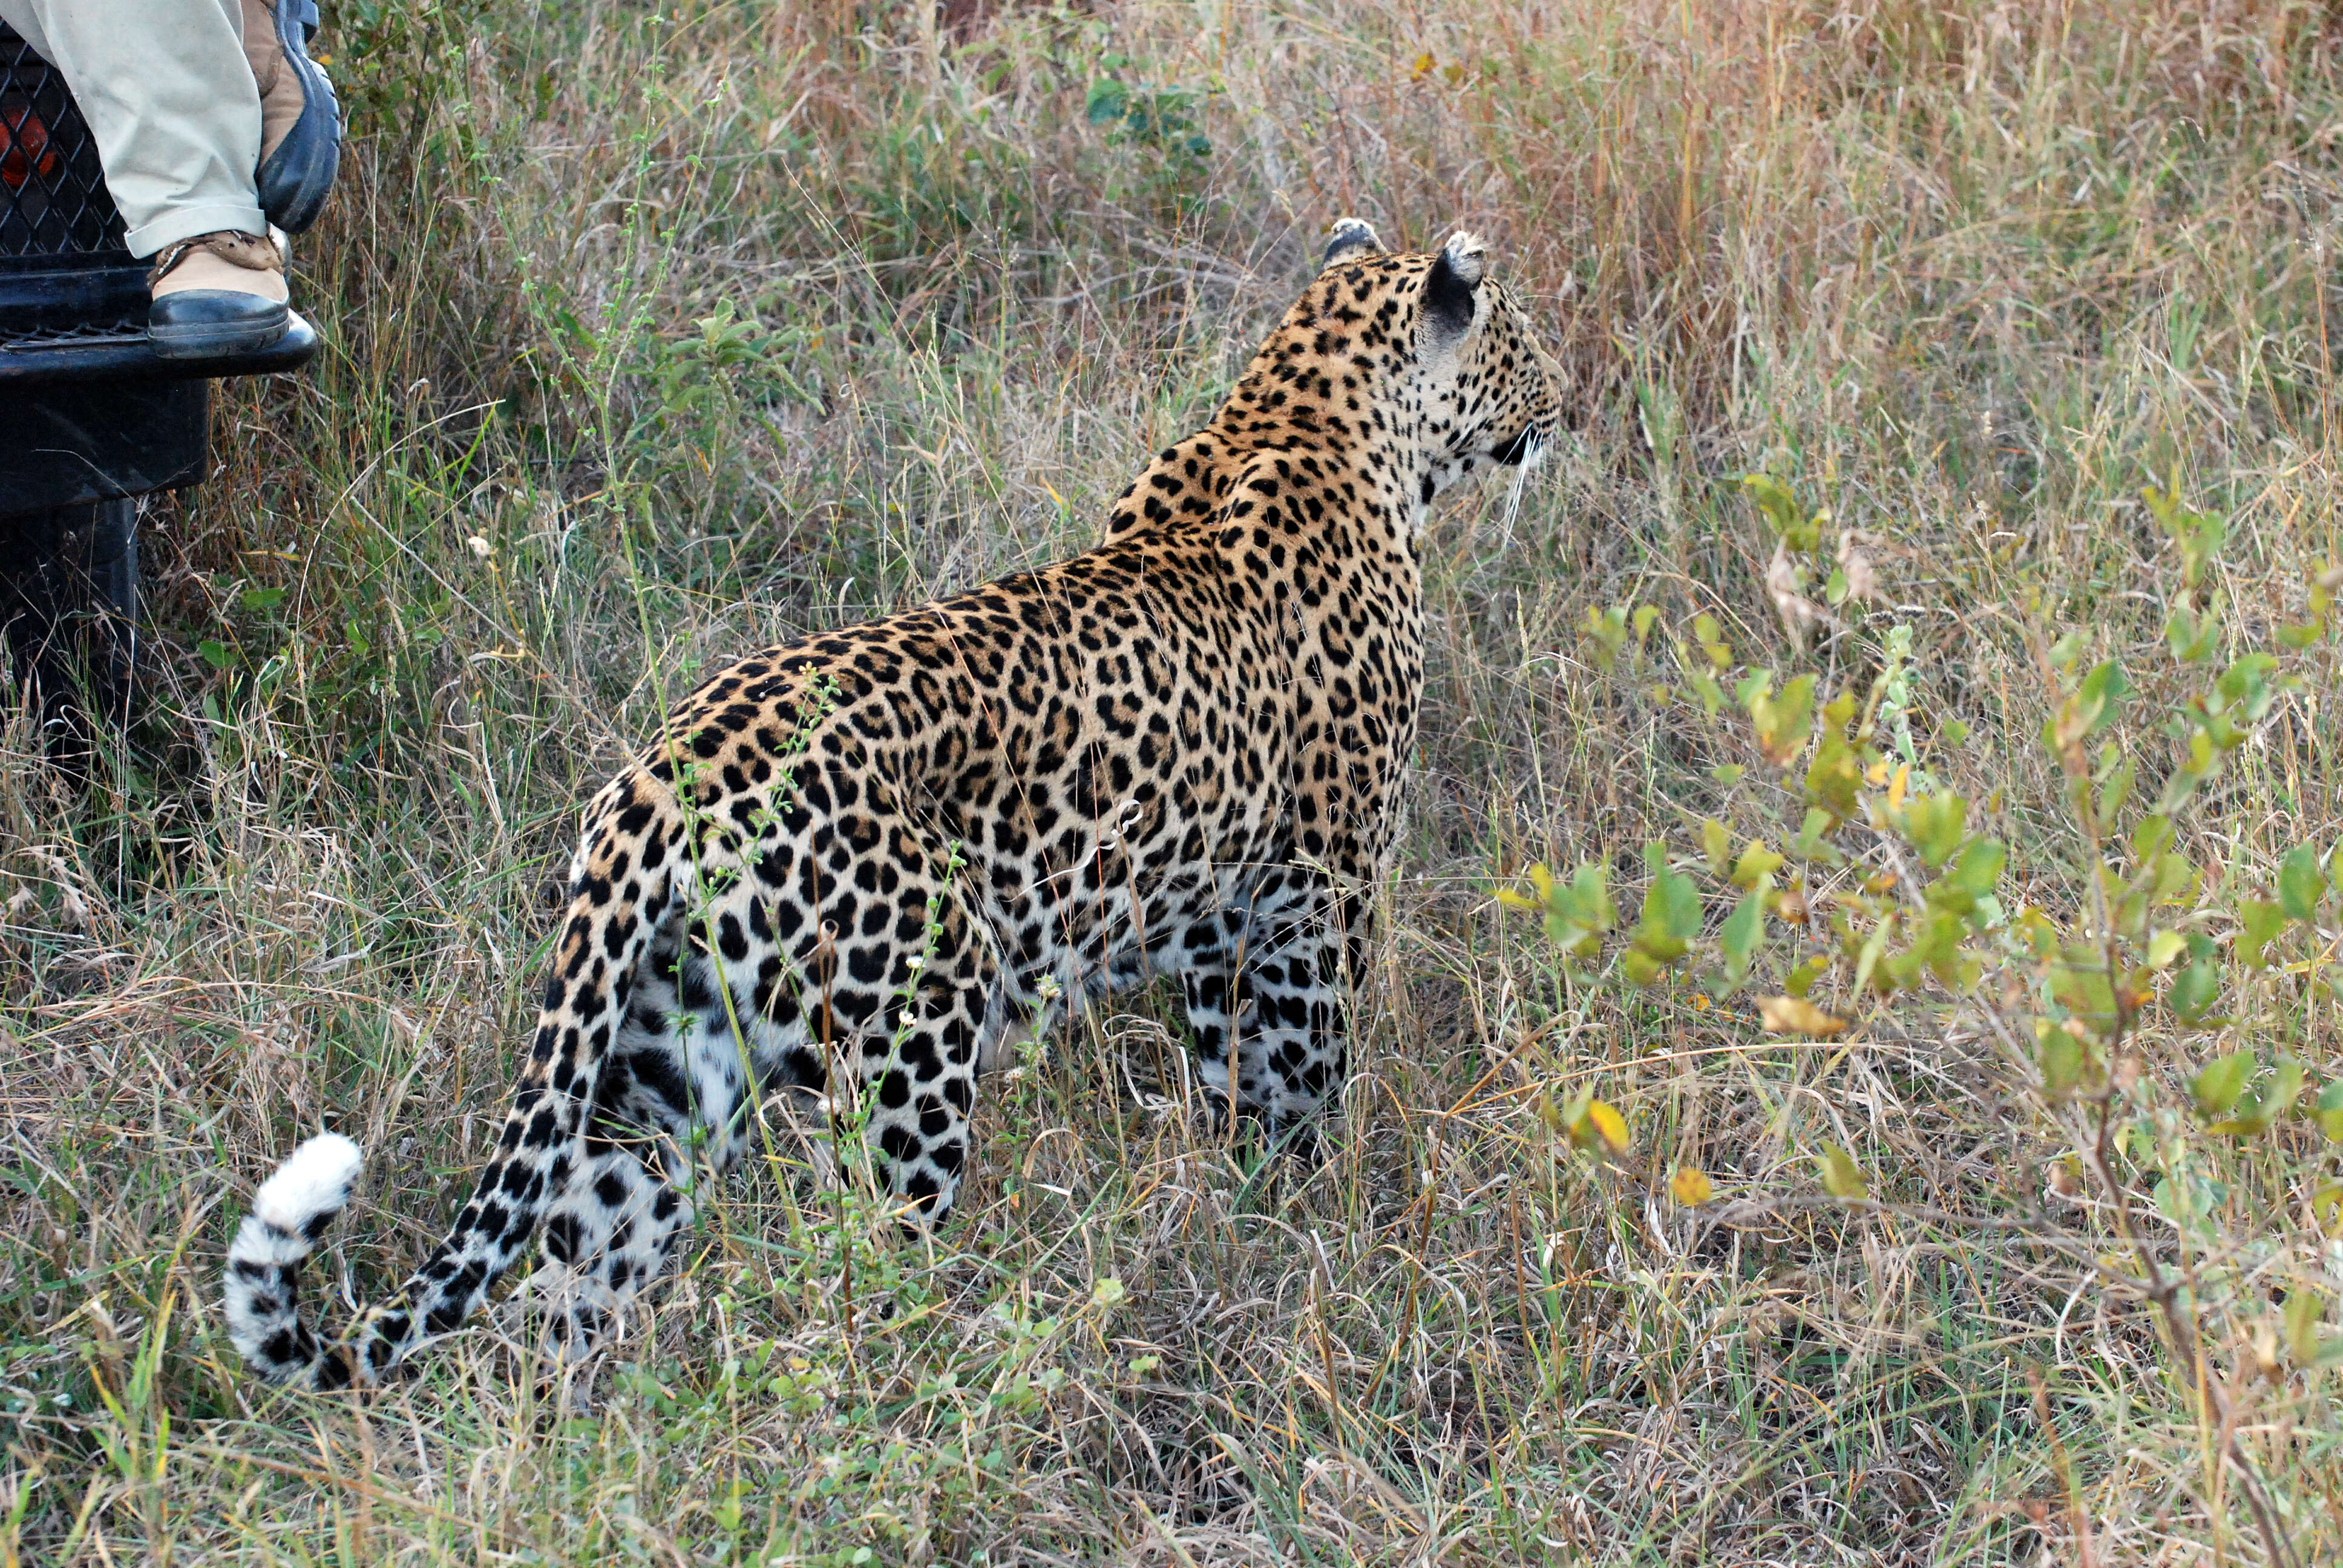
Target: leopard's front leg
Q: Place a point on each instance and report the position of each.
(1273, 998)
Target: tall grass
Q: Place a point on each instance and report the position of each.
(659, 332)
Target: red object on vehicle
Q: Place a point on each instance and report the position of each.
(25, 149)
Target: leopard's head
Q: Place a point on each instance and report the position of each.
(1439, 347)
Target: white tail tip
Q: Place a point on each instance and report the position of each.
(316, 1180)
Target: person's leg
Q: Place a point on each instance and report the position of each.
(170, 98)
(300, 123)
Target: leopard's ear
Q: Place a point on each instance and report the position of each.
(1449, 289)
(1352, 237)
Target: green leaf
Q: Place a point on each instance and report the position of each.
(1939, 947)
(2114, 790)
(2199, 537)
(1841, 1177)
(2192, 639)
(2262, 919)
(1744, 933)
(1717, 843)
(2246, 690)
(2327, 1112)
(1712, 647)
(1578, 913)
(2101, 691)
(2173, 877)
(2282, 1088)
(1107, 101)
(261, 599)
(2305, 1309)
(2041, 933)
(2171, 1199)
(1875, 947)
(2061, 1058)
(2079, 982)
(2299, 884)
(1979, 866)
(1798, 532)
(1756, 862)
(1835, 775)
(1810, 844)
(2269, 1102)
(2150, 836)
(1801, 979)
(1933, 824)
(2090, 708)
(1781, 721)
(2216, 1088)
(2193, 992)
(1606, 630)
(214, 653)
(1671, 916)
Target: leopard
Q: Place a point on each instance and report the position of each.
(857, 872)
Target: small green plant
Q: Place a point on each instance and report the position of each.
(1161, 124)
(2101, 1005)
(1163, 118)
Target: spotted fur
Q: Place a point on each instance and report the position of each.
(866, 860)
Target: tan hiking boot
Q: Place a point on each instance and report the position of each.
(280, 89)
(217, 294)
(300, 124)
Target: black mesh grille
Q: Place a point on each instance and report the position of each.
(53, 195)
(125, 330)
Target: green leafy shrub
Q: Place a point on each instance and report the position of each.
(2109, 1001)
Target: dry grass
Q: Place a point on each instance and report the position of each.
(1969, 272)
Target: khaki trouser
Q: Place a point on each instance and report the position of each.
(169, 96)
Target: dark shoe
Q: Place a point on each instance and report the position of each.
(211, 322)
(300, 124)
(218, 294)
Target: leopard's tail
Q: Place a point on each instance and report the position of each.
(290, 1211)
(623, 883)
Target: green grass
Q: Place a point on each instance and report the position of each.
(720, 323)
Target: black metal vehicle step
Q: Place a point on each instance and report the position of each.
(121, 351)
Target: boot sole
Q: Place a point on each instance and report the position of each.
(294, 179)
(218, 340)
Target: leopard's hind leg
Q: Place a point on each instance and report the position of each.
(891, 995)
(672, 1116)
(919, 1057)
